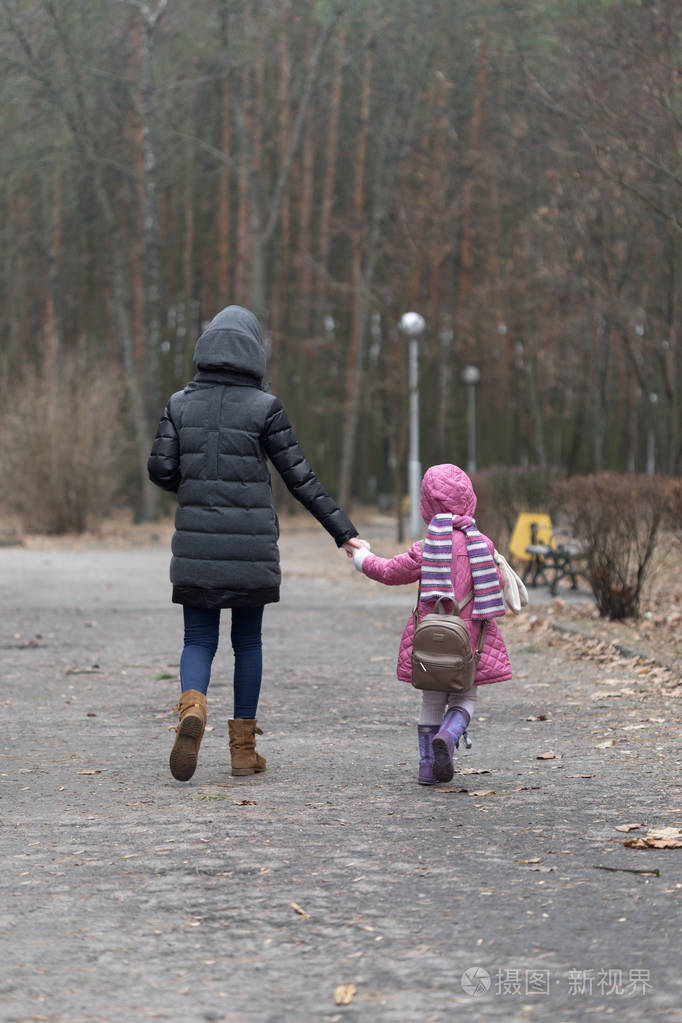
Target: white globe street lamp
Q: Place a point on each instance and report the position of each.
(471, 376)
(414, 325)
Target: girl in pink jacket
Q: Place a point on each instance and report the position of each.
(454, 559)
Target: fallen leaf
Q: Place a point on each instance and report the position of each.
(536, 717)
(535, 859)
(344, 994)
(475, 770)
(628, 827)
(451, 790)
(582, 776)
(246, 802)
(92, 770)
(549, 755)
(606, 745)
(657, 838)
(484, 792)
(299, 909)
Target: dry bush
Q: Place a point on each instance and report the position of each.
(617, 517)
(63, 447)
(673, 508)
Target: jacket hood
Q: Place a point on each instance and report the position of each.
(446, 488)
(232, 341)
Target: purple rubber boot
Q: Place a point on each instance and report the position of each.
(450, 732)
(426, 734)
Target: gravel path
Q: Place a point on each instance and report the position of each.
(129, 896)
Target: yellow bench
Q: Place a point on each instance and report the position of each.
(533, 543)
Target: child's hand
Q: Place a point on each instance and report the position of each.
(359, 555)
(355, 544)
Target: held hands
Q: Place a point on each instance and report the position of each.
(358, 550)
(515, 593)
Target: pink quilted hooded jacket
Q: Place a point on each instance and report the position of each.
(445, 488)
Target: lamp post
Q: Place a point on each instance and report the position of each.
(413, 325)
(651, 436)
(471, 376)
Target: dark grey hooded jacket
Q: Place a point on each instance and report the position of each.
(211, 447)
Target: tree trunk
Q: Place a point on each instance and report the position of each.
(53, 318)
(303, 305)
(280, 298)
(188, 276)
(468, 196)
(537, 419)
(674, 361)
(224, 195)
(331, 156)
(355, 343)
(245, 213)
(152, 268)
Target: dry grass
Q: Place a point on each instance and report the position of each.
(64, 451)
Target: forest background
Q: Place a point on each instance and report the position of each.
(510, 170)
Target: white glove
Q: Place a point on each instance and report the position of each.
(359, 555)
(515, 593)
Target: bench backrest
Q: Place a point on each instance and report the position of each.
(521, 534)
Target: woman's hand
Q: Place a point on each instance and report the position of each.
(354, 544)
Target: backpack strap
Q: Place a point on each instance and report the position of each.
(469, 596)
(458, 605)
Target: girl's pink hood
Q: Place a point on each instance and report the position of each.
(446, 488)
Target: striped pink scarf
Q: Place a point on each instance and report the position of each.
(436, 577)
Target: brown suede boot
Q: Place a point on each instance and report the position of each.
(188, 734)
(245, 760)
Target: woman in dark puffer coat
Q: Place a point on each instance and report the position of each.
(211, 448)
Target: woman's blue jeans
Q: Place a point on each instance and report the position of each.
(202, 628)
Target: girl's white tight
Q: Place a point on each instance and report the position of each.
(434, 705)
